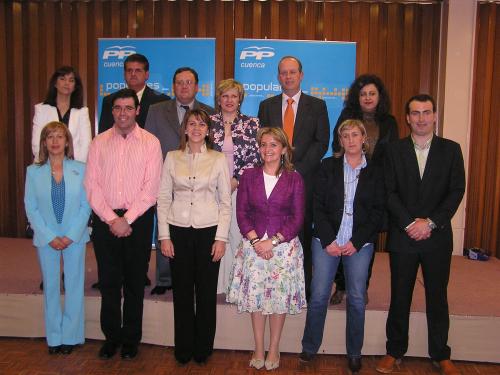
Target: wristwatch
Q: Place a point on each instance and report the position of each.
(431, 224)
(275, 240)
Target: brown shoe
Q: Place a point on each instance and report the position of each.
(448, 368)
(386, 364)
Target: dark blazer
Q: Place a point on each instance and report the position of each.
(436, 196)
(311, 131)
(163, 122)
(283, 212)
(149, 96)
(328, 203)
(388, 132)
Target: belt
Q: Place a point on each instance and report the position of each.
(120, 212)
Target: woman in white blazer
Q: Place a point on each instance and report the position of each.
(57, 208)
(64, 103)
(194, 213)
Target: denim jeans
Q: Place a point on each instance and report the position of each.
(324, 270)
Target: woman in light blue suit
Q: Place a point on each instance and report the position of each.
(57, 208)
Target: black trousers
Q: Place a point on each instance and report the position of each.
(122, 263)
(194, 282)
(436, 272)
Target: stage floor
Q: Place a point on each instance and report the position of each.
(474, 301)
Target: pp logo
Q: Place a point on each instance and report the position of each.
(118, 52)
(257, 52)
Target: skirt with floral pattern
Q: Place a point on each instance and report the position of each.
(273, 286)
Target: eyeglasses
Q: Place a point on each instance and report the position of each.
(127, 108)
(182, 83)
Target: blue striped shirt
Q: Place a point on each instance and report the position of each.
(351, 178)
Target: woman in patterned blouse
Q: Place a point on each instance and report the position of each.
(234, 134)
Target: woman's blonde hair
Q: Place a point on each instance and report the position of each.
(279, 135)
(48, 129)
(348, 125)
(228, 84)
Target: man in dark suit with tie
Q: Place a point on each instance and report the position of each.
(425, 182)
(164, 121)
(305, 120)
(136, 72)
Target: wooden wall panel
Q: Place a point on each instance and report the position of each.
(397, 40)
(482, 224)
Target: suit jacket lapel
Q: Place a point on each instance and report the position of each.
(430, 163)
(410, 160)
(259, 187)
(171, 115)
(276, 115)
(302, 110)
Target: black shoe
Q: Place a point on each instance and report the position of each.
(108, 350)
(160, 289)
(129, 351)
(148, 282)
(182, 360)
(54, 349)
(95, 285)
(354, 364)
(306, 357)
(200, 359)
(67, 349)
(41, 285)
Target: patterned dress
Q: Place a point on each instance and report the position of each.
(272, 286)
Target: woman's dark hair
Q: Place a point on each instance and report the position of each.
(76, 100)
(200, 115)
(351, 104)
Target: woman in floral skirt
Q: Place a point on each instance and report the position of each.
(268, 277)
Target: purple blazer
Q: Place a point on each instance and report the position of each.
(283, 212)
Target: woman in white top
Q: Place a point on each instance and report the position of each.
(194, 213)
(64, 103)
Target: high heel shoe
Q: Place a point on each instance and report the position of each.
(256, 363)
(272, 365)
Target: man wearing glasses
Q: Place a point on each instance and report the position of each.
(122, 182)
(164, 121)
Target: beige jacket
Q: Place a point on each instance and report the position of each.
(195, 192)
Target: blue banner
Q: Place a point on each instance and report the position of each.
(165, 56)
(329, 69)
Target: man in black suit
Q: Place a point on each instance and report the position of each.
(425, 181)
(164, 121)
(136, 73)
(310, 139)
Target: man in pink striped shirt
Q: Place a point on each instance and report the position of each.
(122, 181)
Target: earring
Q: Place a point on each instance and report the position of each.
(282, 159)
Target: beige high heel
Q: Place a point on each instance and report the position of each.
(270, 365)
(256, 363)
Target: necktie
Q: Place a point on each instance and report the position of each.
(186, 108)
(288, 120)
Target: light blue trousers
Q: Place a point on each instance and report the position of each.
(63, 325)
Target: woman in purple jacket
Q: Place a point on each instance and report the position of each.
(268, 276)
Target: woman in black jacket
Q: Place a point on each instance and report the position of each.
(369, 102)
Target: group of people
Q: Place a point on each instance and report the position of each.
(245, 206)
